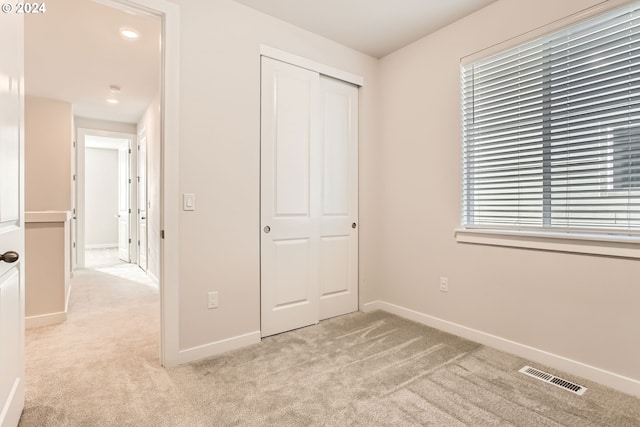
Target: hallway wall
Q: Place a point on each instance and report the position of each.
(101, 198)
(48, 151)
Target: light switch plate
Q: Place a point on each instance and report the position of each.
(189, 202)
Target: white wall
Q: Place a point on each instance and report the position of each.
(101, 198)
(219, 154)
(151, 123)
(581, 307)
(106, 125)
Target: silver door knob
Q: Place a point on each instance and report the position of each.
(267, 229)
(9, 257)
(354, 225)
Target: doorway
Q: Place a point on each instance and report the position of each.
(167, 15)
(105, 198)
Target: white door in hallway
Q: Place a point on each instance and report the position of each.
(142, 199)
(11, 220)
(308, 195)
(124, 213)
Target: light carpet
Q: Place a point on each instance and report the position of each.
(100, 368)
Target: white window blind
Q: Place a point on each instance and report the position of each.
(551, 131)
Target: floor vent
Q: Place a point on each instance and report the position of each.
(552, 379)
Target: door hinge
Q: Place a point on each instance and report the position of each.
(74, 245)
(74, 144)
(138, 210)
(129, 180)
(138, 242)
(74, 177)
(162, 234)
(138, 179)
(129, 241)
(129, 210)
(129, 150)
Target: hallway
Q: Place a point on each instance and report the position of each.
(103, 362)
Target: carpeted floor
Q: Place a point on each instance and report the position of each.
(104, 257)
(100, 368)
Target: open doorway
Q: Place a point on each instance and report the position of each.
(109, 99)
(57, 68)
(106, 198)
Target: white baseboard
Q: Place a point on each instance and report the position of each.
(153, 277)
(44, 320)
(609, 379)
(218, 347)
(66, 300)
(102, 246)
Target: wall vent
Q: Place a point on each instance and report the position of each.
(552, 379)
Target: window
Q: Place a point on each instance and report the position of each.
(551, 131)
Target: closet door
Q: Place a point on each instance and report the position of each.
(309, 197)
(338, 198)
(289, 208)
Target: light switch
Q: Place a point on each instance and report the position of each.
(189, 201)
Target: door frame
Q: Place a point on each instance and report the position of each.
(311, 65)
(169, 15)
(80, 221)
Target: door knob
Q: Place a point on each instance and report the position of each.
(144, 217)
(9, 257)
(354, 225)
(267, 229)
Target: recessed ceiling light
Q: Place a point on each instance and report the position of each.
(114, 89)
(112, 101)
(129, 33)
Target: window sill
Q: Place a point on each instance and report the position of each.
(614, 246)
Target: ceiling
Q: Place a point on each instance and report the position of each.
(375, 27)
(74, 52)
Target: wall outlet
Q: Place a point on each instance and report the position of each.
(444, 284)
(212, 300)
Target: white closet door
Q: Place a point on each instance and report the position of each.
(289, 208)
(338, 198)
(309, 197)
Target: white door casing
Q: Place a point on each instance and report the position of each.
(142, 199)
(74, 204)
(11, 219)
(309, 187)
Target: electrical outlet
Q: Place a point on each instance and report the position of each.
(212, 299)
(444, 284)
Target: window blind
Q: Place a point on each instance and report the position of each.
(551, 131)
